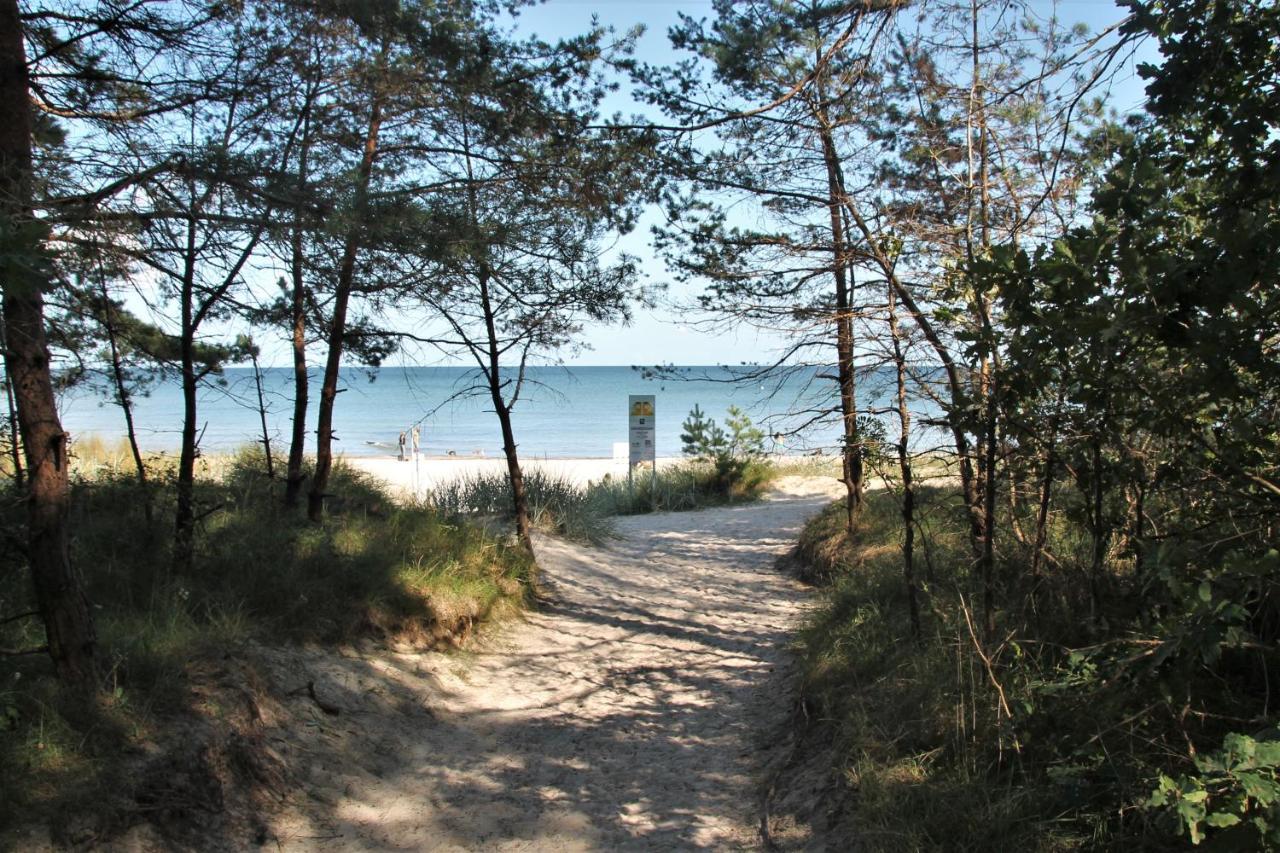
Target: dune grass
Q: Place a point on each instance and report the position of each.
(404, 574)
(688, 486)
(559, 506)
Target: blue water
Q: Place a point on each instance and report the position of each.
(565, 412)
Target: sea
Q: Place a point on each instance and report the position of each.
(563, 411)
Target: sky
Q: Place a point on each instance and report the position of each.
(665, 334)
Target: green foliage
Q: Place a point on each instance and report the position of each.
(915, 728)
(732, 456)
(1090, 716)
(700, 434)
(1237, 786)
(873, 442)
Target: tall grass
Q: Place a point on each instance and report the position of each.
(406, 574)
(688, 486)
(558, 505)
(909, 718)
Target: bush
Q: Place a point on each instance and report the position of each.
(1058, 732)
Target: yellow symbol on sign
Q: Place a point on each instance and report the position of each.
(641, 409)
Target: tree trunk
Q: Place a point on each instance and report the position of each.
(58, 593)
(338, 326)
(184, 515)
(1046, 494)
(1100, 532)
(904, 465)
(852, 450)
(262, 413)
(955, 382)
(15, 446)
(126, 402)
(519, 500)
(298, 315)
(989, 516)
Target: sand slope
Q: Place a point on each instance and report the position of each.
(636, 710)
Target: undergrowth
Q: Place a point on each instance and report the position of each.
(405, 574)
(1059, 733)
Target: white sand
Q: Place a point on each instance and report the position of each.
(637, 711)
(409, 477)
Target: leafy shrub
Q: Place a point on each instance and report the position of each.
(1237, 786)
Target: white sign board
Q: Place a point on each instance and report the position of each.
(643, 438)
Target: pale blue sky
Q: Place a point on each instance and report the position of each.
(664, 335)
(660, 336)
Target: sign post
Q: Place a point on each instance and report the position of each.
(643, 437)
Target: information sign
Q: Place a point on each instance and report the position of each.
(640, 408)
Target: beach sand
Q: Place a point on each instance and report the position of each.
(411, 477)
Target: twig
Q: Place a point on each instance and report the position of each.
(986, 661)
(208, 512)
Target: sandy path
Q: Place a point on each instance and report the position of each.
(635, 711)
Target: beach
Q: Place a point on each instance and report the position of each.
(409, 477)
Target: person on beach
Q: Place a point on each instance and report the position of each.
(402, 447)
(415, 435)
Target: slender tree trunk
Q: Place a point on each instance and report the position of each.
(519, 498)
(58, 593)
(1100, 533)
(125, 399)
(338, 325)
(493, 372)
(184, 515)
(987, 459)
(15, 445)
(852, 450)
(904, 466)
(262, 413)
(989, 516)
(298, 315)
(1046, 492)
(955, 383)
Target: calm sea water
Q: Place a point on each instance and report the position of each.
(566, 412)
